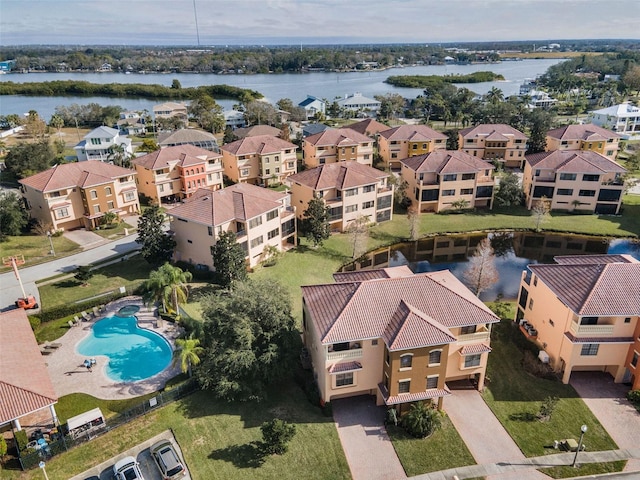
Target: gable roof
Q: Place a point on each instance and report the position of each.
(588, 131)
(414, 133)
(185, 136)
(309, 100)
(170, 106)
(574, 161)
(102, 132)
(362, 275)
(446, 161)
(368, 127)
(338, 175)
(411, 328)
(260, 144)
(257, 130)
(337, 136)
(360, 310)
(620, 110)
(594, 259)
(80, 174)
(498, 131)
(596, 288)
(182, 154)
(25, 385)
(241, 201)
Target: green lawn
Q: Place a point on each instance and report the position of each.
(115, 232)
(36, 248)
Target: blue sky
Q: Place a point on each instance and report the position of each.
(171, 22)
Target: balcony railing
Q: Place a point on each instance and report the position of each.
(344, 354)
(591, 330)
(474, 337)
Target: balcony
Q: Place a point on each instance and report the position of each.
(344, 354)
(475, 337)
(591, 330)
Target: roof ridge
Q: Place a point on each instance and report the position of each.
(429, 319)
(344, 307)
(595, 284)
(428, 274)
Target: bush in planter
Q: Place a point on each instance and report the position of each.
(21, 439)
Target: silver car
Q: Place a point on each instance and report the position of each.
(167, 459)
(127, 469)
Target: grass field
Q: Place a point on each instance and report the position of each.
(36, 248)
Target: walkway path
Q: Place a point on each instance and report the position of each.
(369, 451)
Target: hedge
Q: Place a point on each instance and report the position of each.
(72, 308)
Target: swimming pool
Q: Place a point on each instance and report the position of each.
(134, 353)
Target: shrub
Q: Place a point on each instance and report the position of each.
(34, 322)
(3, 449)
(275, 436)
(421, 421)
(21, 439)
(547, 407)
(634, 397)
(535, 367)
(73, 308)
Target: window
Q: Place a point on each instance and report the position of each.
(406, 360)
(277, 169)
(244, 172)
(374, 342)
(466, 191)
(568, 176)
(404, 386)
(627, 320)
(448, 193)
(266, 159)
(589, 321)
(414, 146)
(254, 222)
(468, 176)
(110, 205)
(129, 196)
(468, 330)
(272, 214)
(472, 360)
(94, 194)
(54, 194)
(267, 171)
(531, 304)
(273, 233)
(351, 192)
(350, 208)
(587, 193)
(96, 141)
(565, 191)
(290, 165)
(590, 178)
(161, 188)
(62, 212)
(394, 155)
(432, 382)
(634, 359)
(368, 188)
(366, 205)
(277, 158)
(96, 209)
(384, 202)
(344, 379)
(449, 177)
(107, 191)
(552, 323)
(434, 357)
(257, 241)
(589, 349)
(210, 230)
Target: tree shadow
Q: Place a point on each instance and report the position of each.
(249, 455)
(71, 283)
(522, 417)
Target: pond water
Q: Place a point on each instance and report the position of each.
(514, 251)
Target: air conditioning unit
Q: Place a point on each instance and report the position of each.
(543, 356)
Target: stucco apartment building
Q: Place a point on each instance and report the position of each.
(259, 160)
(174, 173)
(349, 189)
(585, 311)
(580, 180)
(337, 145)
(395, 335)
(438, 179)
(494, 142)
(406, 141)
(258, 216)
(584, 137)
(74, 195)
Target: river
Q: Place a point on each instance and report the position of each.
(295, 86)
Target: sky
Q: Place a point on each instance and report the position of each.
(251, 22)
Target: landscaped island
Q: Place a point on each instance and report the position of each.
(424, 81)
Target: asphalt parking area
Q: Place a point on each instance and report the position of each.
(150, 471)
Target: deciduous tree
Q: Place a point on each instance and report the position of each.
(481, 274)
(413, 215)
(13, 216)
(358, 230)
(157, 245)
(540, 212)
(26, 159)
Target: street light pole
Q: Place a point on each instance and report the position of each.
(53, 252)
(41, 465)
(583, 430)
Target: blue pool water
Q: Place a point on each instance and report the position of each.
(134, 353)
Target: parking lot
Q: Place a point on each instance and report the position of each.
(104, 471)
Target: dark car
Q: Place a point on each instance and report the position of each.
(167, 459)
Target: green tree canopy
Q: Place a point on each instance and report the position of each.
(187, 353)
(315, 221)
(148, 145)
(13, 216)
(509, 191)
(229, 260)
(26, 159)
(167, 285)
(157, 246)
(250, 340)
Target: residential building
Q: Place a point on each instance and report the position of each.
(337, 145)
(259, 217)
(189, 136)
(361, 105)
(313, 106)
(170, 110)
(494, 142)
(100, 143)
(132, 123)
(584, 137)
(584, 312)
(624, 119)
(395, 335)
(369, 127)
(406, 141)
(574, 180)
(234, 119)
(256, 130)
(438, 180)
(540, 99)
(349, 189)
(313, 128)
(73, 195)
(260, 160)
(174, 173)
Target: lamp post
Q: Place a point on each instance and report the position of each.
(583, 430)
(53, 252)
(41, 465)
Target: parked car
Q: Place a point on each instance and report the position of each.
(167, 459)
(127, 469)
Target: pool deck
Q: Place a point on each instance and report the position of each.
(69, 375)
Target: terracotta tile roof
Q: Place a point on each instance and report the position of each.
(260, 144)
(446, 161)
(414, 133)
(368, 127)
(25, 385)
(241, 201)
(412, 397)
(360, 310)
(492, 132)
(474, 349)
(593, 259)
(587, 132)
(256, 130)
(574, 161)
(345, 367)
(575, 339)
(362, 275)
(337, 136)
(594, 289)
(69, 175)
(184, 155)
(410, 328)
(340, 175)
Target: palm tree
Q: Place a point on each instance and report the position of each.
(495, 95)
(167, 284)
(188, 353)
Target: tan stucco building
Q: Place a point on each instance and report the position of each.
(436, 180)
(574, 180)
(585, 314)
(74, 195)
(335, 145)
(259, 217)
(174, 173)
(406, 141)
(259, 160)
(395, 335)
(494, 142)
(584, 137)
(349, 189)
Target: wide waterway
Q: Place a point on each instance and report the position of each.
(295, 86)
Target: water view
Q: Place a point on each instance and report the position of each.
(513, 250)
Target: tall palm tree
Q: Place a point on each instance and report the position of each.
(494, 95)
(188, 353)
(168, 285)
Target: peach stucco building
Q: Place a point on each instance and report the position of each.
(395, 335)
(585, 314)
(259, 217)
(335, 145)
(494, 142)
(584, 137)
(405, 141)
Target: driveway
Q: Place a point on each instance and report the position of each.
(607, 402)
(85, 238)
(365, 442)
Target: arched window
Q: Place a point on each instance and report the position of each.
(406, 360)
